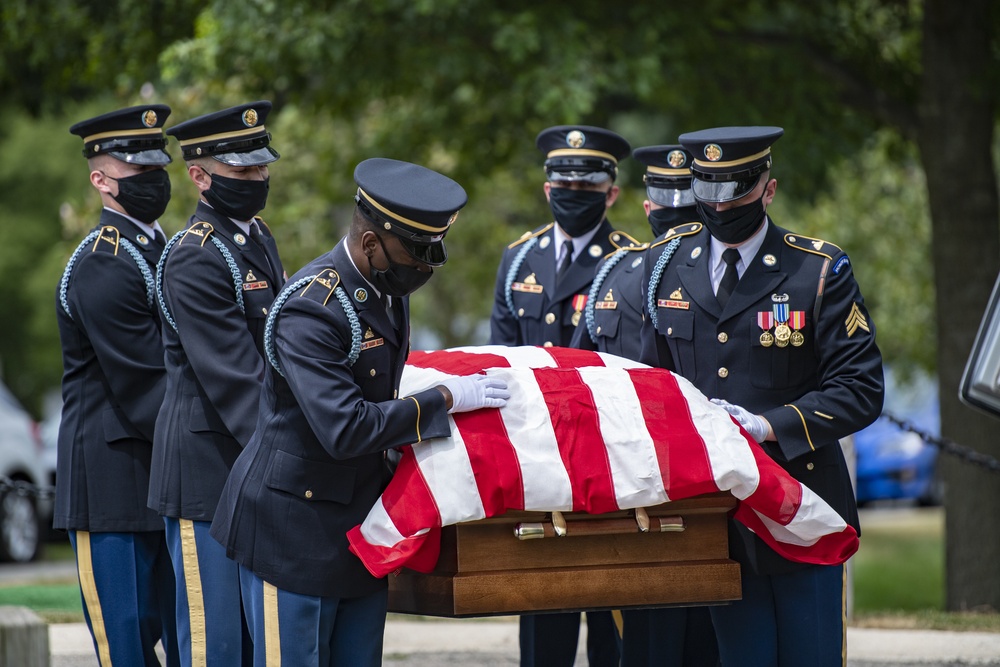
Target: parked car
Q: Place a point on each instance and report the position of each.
(895, 464)
(22, 512)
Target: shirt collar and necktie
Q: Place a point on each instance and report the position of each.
(746, 250)
(574, 245)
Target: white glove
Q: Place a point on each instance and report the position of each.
(472, 392)
(753, 424)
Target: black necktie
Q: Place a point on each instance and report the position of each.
(160, 238)
(258, 238)
(729, 279)
(567, 259)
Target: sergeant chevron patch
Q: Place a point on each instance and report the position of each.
(856, 320)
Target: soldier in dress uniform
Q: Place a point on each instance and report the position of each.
(337, 339)
(215, 284)
(541, 291)
(615, 305)
(772, 325)
(615, 310)
(113, 384)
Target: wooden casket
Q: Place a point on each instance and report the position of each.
(672, 554)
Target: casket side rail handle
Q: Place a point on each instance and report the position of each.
(559, 526)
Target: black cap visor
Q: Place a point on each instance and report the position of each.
(671, 197)
(588, 169)
(431, 254)
(255, 158)
(723, 191)
(155, 157)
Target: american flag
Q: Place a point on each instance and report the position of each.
(583, 432)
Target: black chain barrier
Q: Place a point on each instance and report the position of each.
(947, 446)
(22, 488)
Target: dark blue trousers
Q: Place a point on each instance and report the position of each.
(210, 626)
(669, 637)
(549, 640)
(310, 631)
(785, 620)
(127, 587)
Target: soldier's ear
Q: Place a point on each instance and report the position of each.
(369, 241)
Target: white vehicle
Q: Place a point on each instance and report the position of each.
(22, 473)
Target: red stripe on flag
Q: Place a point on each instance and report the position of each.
(494, 460)
(566, 357)
(680, 449)
(779, 495)
(578, 432)
(830, 549)
(456, 363)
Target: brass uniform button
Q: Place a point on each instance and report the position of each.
(723, 372)
(723, 337)
(598, 329)
(520, 312)
(550, 318)
(670, 331)
(309, 493)
(395, 393)
(372, 372)
(547, 343)
(810, 466)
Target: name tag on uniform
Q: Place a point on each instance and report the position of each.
(367, 345)
(526, 287)
(605, 305)
(668, 303)
(260, 284)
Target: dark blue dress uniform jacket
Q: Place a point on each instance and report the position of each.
(316, 464)
(214, 361)
(617, 303)
(113, 385)
(813, 394)
(543, 314)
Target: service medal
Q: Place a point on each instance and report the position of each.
(765, 321)
(767, 339)
(575, 319)
(782, 333)
(797, 319)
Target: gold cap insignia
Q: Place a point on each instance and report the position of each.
(713, 152)
(250, 117)
(676, 295)
(676, 159)
(149, 118)
(453, 218)
(576, 139)
(360, 295)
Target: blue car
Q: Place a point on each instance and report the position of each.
(894, 464)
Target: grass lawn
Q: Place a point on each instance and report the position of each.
(898, 578)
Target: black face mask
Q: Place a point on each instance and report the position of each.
(663, 219)
(237, 198)
(144, 196)
(577, 211)
(734, 225)
(398, 279)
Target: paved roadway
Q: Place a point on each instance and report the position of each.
(493, 642)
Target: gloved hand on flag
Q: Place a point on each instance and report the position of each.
(472, 392)
(753, 424)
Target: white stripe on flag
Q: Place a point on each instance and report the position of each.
(635, 471)
(814, 520)
(734, 468)
(529, 429)
(379, 529)
(612, 361)
(416, 379)
(445, 465)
